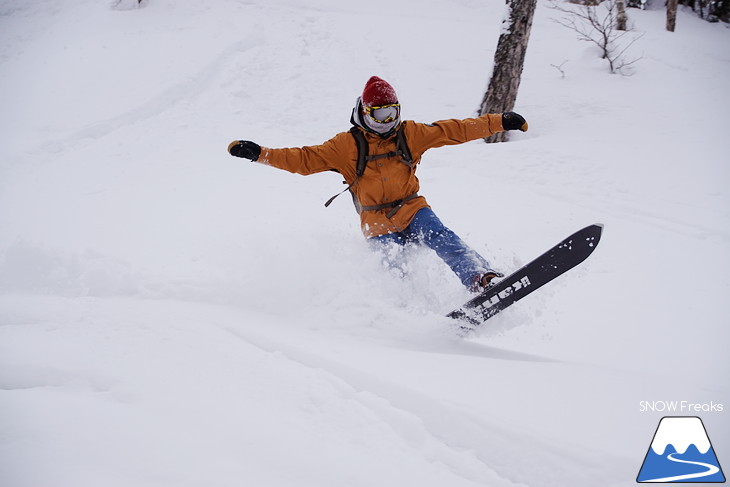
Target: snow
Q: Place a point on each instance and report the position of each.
(688, 430)
(174, 316)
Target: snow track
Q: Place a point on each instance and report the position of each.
(230, 389)
(184, 92)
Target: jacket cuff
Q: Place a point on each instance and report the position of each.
(495, 122)
(264, 156)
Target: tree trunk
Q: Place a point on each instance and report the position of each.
(671, 15)
(621, 17)
(508, 61)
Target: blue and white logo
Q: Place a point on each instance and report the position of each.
(681, 452)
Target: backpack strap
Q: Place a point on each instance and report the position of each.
(401, 146)
(362, 151)
(394, 206)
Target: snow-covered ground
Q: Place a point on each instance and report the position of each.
(173, 316)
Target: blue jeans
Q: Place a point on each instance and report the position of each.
(427, 229)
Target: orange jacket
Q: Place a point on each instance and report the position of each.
(384, 180)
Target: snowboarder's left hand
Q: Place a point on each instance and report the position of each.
(245, 149)
(514, 121)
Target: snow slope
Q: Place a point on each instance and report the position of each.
(173, 316)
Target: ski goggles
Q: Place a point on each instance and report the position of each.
(385, 113)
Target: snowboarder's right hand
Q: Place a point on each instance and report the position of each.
(245, 149)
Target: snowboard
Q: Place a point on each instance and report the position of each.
(559, 259)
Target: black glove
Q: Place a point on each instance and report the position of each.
(514, 121)
(245, 149)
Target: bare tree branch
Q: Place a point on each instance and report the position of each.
(599, 24)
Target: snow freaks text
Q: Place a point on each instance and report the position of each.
(680, 407)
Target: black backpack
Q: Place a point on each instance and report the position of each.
(401, 150)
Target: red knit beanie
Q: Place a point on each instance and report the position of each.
(377, 93)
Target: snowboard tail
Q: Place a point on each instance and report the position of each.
(556, 261)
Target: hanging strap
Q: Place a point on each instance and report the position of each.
(329, 201)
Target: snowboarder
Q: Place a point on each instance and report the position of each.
(385, 188)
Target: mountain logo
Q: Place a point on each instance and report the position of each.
(681, 452)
